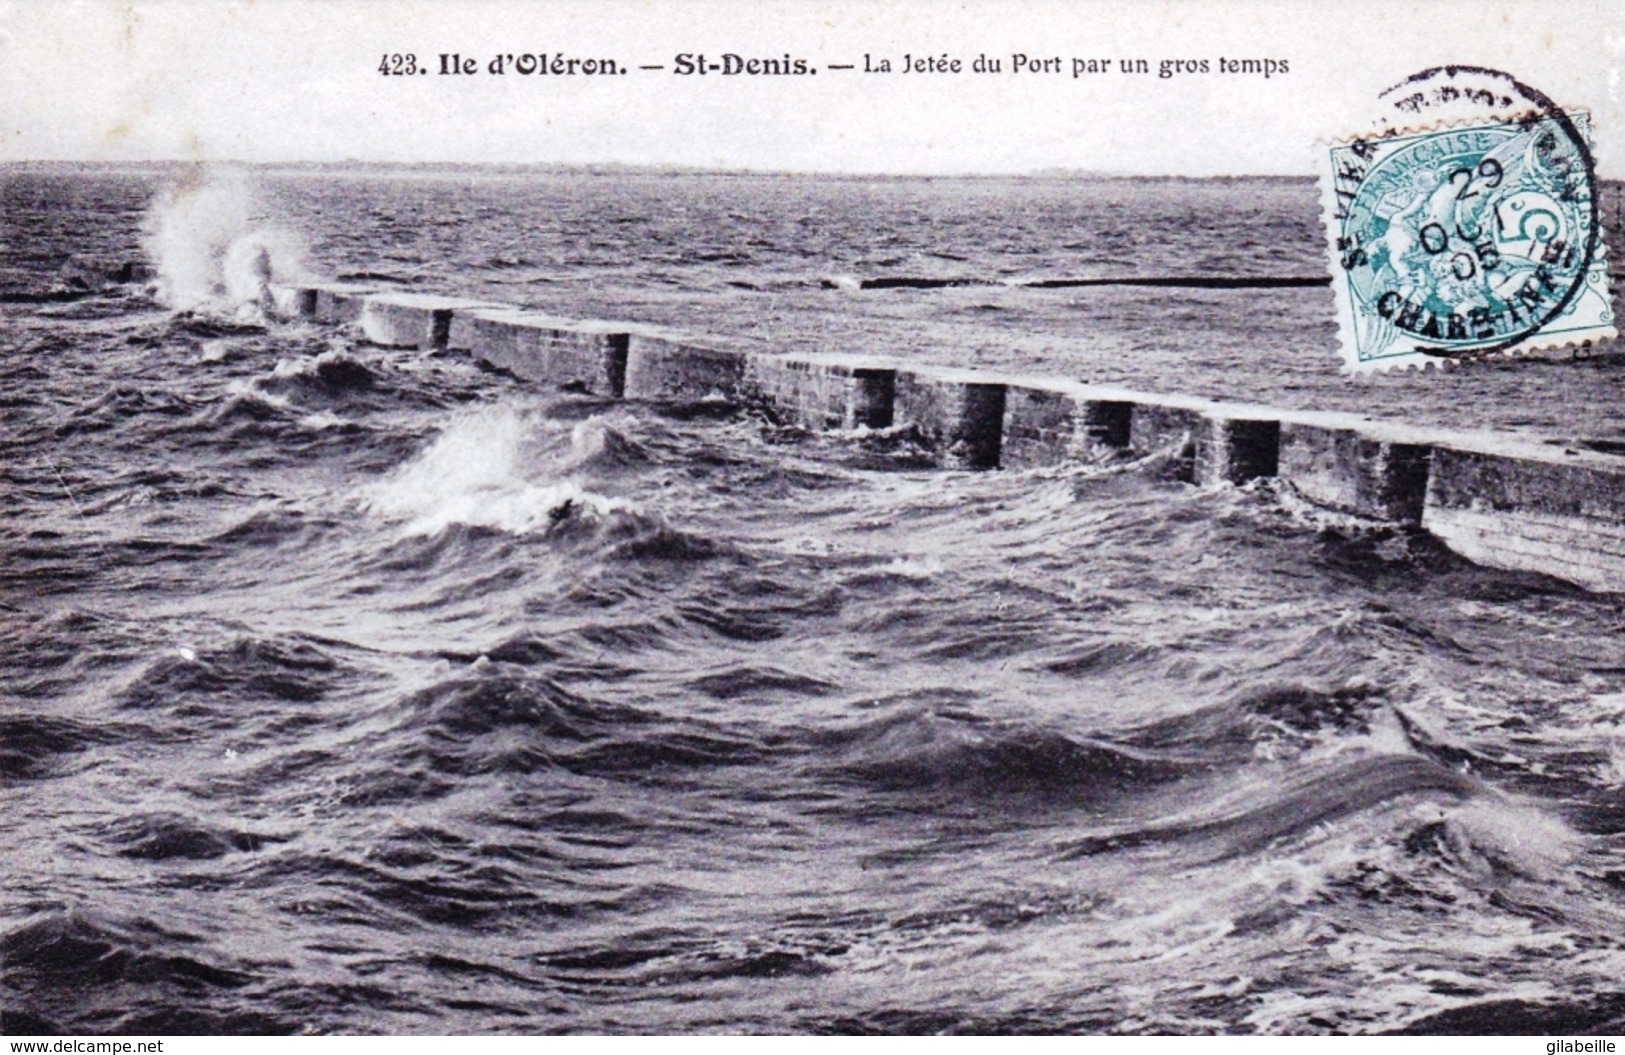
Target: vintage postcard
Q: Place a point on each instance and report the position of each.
(652, 517)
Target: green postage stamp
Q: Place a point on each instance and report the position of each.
(1466, 240)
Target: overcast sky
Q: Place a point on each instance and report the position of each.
(298, 80)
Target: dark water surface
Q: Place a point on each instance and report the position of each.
(353, 690)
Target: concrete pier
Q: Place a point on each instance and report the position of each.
(825, 391)
(958, 414)
(1055, 422)
(336, 302)
(497, 336)
(1355, 466)
(582, 356)
(1527, 507)
(1172, 424)
(1504, 503)
(1236, 444)
(411, 320)
(663, 366)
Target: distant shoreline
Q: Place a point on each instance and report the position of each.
(461, 169)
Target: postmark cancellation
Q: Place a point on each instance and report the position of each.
(1466, 240)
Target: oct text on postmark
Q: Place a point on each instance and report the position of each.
(1466, 240)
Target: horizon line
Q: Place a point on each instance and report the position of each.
(653, 168)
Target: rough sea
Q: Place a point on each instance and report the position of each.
(346, 689)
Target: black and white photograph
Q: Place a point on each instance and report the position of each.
(696, 517)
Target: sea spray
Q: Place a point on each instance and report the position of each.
(474, 474)
(211, 246)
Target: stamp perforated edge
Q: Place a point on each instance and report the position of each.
(1347, 341)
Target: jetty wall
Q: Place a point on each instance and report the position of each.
(1504, 502)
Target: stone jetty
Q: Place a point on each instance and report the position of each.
(1501, 501)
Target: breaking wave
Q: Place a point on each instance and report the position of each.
(488, 469)
(213, 248)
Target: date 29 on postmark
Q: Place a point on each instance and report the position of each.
(1465, 241)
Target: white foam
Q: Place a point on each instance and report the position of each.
(246, 390)
(924, 566)
(289, 367)
(475, 474)
(1511, 835)
(322, 419)
(211, 248)
(588, 439)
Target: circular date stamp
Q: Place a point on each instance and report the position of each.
(1476, 236)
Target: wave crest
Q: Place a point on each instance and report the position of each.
(476, 474)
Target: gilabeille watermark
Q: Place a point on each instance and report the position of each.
(1594, 1046)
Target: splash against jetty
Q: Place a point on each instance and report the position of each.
(1501, 501)
(212, 248)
